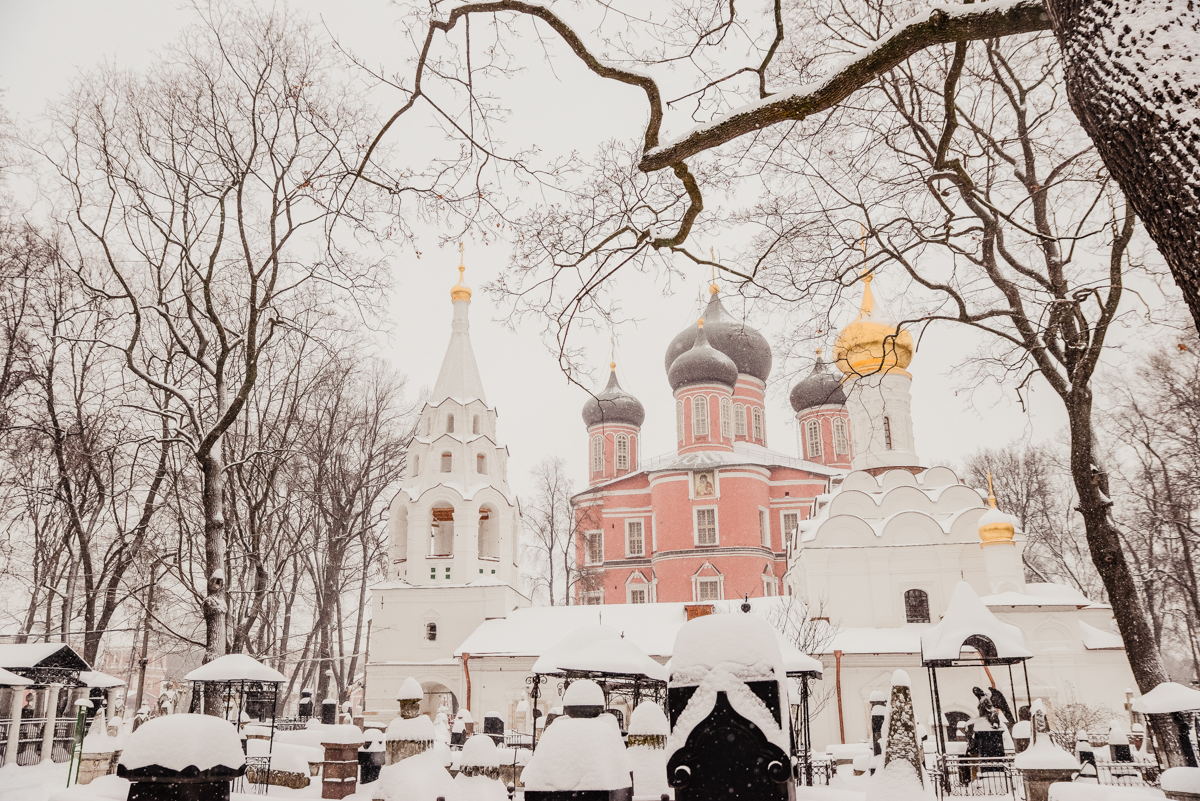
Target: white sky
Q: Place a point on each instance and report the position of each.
(44, 43)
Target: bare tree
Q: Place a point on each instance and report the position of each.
(201, 197)
(552, 531)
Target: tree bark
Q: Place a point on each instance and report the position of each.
(1104, 542)
(212, 467)
(1131, 79)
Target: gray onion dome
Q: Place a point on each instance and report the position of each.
(613, 405)
(702, 364)
(744, 345)
(820, 388)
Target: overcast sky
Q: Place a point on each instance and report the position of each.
(44, 43)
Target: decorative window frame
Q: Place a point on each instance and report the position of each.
(841, 437)
(726, 422)
(679, 421)
(447, 462)
(789, 536)
(587, 547)
(764, 527)
(696, 526)
(770, 586)
(758, 425)
(593, 598)
(928, 612)
(701, 425)
(718, 579)
(629, 523)
(622, 452)
(814, 448)
(636, 582)
(597, 455)
(739, 420)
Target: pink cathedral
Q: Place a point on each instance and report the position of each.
(717, 518)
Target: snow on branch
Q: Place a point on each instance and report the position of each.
(941, 24)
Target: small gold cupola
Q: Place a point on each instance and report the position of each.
(871, 343)
(460, 291)
(995, 527)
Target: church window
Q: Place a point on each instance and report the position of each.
(475, 425)
(597, 455)
(441, 535)
(488, 536)
(916, 606)
(622, 452)
(812, 438)
(447, 462)
(449, 424)
(593, 598)
(791, 522)
(739, 420)
(637, 596)
(679, 421)
(764, 527)
(706, 526)
(841, 438)
(481, 464)
(431, 631)
(635, 538)
(887, 433)
(708, 589)
(726, 413)
(769, 586)
(594, 547)
(758, 423)
(700, 416)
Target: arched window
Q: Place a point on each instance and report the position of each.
(756, 414)
(739, 420)
(475, 425)
(679, 420)
(700, 416)
(447, 462)
(887, 433)
(416, 465)
(481, 464)
(812, 439)
(441, 535)
(726, 413)
(431, 631)
(622, 452)
(597, 455)
(449, 424)
(916, 606)
(488, 544)
(841, 438)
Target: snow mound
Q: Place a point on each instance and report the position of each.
(478, 788)
(421, 777)
(1181, 780)
(343, 734)
(900, 679)
(584, 692)
(578, 754)
(479, 751)
(410, 690)
(648, 719)
(235, 667)
(1045, 755)
(178, 741)
(419, 729)
(744, 645)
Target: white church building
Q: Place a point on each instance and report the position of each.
(872, 564)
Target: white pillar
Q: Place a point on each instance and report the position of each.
(1002, 561)
(870, 400)
(51, 720)
(14, 726)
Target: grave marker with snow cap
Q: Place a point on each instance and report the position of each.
(1043, 763)
(648, 730)
(580, 758)
(339, 772)
(479, 758)
(729, 734)
(371, 756)
(409, 698)
(408, 737)
(305, 709)
(182, 758)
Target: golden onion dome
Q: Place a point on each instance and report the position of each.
(460, 291)
(871, 344)
(995, 527)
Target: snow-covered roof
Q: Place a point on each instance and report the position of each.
(1167, 697)
(29, 655)
(967, 617)
(619, 657)
(235, 667)
(746, 645)
(177, 742)
(866, 640)
(94, 678)
(482, 581)
(578, 754)
(1095, 639)
(10, 679)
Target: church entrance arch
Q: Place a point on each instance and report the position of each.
(437, 695)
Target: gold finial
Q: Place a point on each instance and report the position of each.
(991, 494)
(612, 365)
(460, 291)
(819, 352)
(700, 322)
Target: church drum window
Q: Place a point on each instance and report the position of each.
(916, 606)
(812, 439)
(447, 462)
(634, 538)
(700, 416)
(757, 416)
(726, 413)
(622, 452)
(481, 464)
(706, 526)
(594, 547)
(597, 455)
(431, 631)
(841, 438)
(739, 420)
(708, 589)
(791, 523)
(679, 420)
(449, 424)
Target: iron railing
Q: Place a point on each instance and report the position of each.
(29, 741)
(291, 724)
(64, 740)
(956, 775)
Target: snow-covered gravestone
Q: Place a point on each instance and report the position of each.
(730, 735)
(580, 755)
(339, 771)
(192, 757)
(408, 737)
(479, 771)
(1181, 784)
(647, 744)
(901, 776)
(878, 703)
(371, 756)
(409, 698)
(99, 751)
(419, 778)
(1043, 763)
